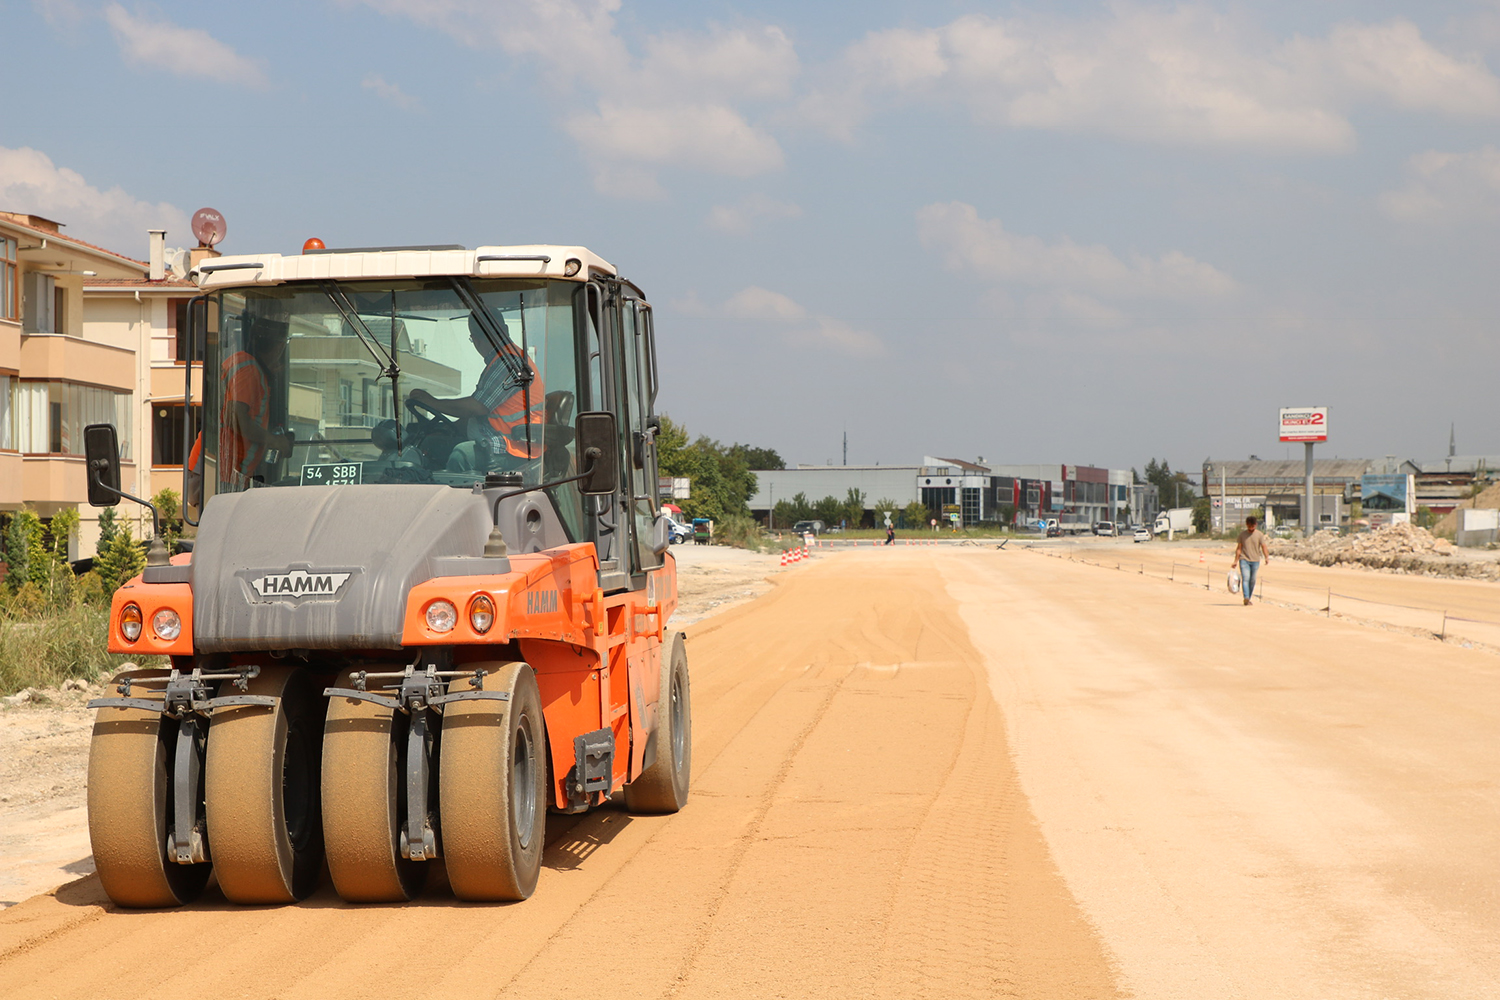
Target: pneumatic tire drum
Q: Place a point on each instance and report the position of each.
(493, 788)
(130, 810)
(663, 787)
(261, 791)
(364, 810)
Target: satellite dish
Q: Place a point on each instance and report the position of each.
(177, 260)
(208, 226)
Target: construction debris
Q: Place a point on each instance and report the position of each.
(1403, 548)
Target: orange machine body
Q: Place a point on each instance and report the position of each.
(597, 657)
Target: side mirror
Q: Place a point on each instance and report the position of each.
(598, 452)
(101, 449)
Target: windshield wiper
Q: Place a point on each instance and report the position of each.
(336, 295)
(384, 359)
(520, 372)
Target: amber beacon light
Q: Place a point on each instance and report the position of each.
(313, 244)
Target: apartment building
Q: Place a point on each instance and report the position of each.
(87, 335)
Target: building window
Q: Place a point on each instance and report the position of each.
(935, 498)
(10, 291)
(38, 303)
(49, 417)
(166, 432)
(971, 504)
(177, 326)
(6, 443)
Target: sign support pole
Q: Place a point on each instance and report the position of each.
(1307, 498)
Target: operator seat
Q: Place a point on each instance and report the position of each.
(557, 435)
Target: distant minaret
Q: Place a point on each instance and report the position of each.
(846, 447)
(1452, 447)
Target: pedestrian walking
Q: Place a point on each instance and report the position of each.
(1252, 549)
(890, 534)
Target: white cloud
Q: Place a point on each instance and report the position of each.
(794, 322)
(682, 103)
(62, 14)
(749, 212)
(390, 93)
(1184, 75)
(187, 52)
(708, 137)
(1393, 61)
(760, 303)
(30, 182)
(1448, 187)
(1072, 274)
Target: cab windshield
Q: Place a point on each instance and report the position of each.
(397, 381)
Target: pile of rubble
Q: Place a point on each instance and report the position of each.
(1401, 547)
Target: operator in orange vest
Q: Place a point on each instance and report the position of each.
(245, 436)
(502, 413)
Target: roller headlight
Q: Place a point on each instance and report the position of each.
(442, 616)
(166, 624)
(130, 622)
(481, 614)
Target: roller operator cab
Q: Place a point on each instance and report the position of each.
(428, 598)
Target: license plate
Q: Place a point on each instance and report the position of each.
(333, 474)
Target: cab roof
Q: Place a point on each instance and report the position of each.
(366, 263)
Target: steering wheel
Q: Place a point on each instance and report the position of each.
(430, 418)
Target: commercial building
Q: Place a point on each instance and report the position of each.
(1443, 482)
(978, 492)
(87, 335)
(1277, 487)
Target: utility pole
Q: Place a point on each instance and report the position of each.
(846, 446)
(1307, 497)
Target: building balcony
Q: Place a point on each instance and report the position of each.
(62, 358)
(51, 482)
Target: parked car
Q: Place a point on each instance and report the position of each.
(1141, 534)
(677, 532)
(1054, 530)
(807, 528)
(1106, 528)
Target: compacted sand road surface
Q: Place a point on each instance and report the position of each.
(950, 773)
(855, 829)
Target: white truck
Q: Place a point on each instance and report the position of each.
(1169, 522)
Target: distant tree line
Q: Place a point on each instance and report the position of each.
(721, 480)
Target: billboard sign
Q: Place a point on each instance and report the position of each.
(1304, 423)
(1386, 499)
(674, 487)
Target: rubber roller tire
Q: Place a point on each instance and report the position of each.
(663, 787)
(493, 788)
(130, 810)
(364, 748)
(261, 783)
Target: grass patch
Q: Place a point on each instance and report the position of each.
(44, 648)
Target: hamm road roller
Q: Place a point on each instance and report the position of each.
(428, 596)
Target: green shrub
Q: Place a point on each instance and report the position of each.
(740, 531)
(44, 648)
(120, 560)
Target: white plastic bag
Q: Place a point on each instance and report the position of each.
(1234, 580)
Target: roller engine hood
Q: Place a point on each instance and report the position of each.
(323, 567)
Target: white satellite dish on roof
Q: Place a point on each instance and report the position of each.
(177, 260)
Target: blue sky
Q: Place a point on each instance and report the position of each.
(1072, 232)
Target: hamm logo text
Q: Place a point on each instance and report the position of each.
(541, 602)
(300, 583)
